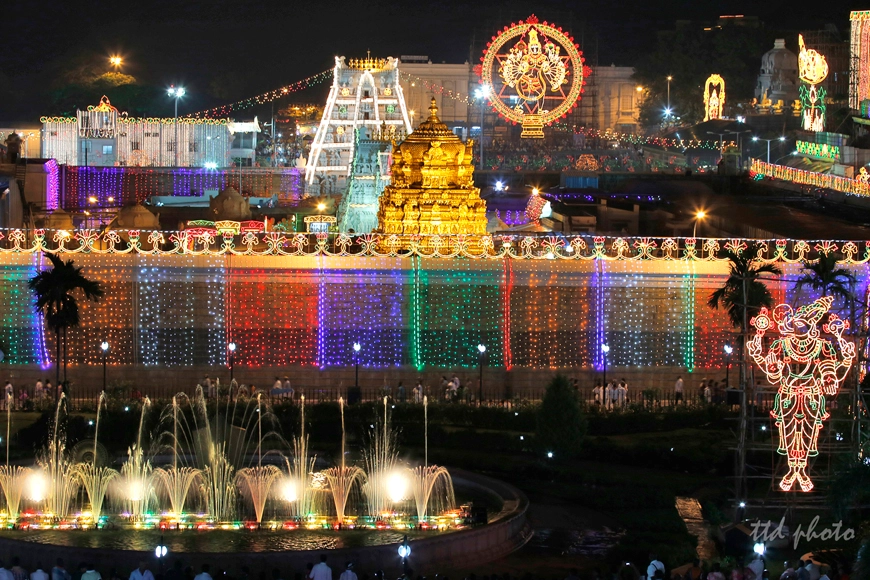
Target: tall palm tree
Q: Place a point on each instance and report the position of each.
(54, 290)
(743, 268)
(826, 277)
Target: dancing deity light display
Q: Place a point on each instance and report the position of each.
(714, 97)
(812, 69)
(806, 367)
(532, 74)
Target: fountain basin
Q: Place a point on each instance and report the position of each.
(288, 550)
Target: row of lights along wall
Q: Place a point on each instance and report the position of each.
(186, 310)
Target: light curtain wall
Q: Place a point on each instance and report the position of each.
(412, 312)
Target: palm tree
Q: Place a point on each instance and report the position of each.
(733, 295)
(826, 277)
(54, 290)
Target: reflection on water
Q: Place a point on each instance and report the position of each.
(215, 540)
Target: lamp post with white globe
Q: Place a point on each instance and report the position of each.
(356, 348)
(404, 554)
(728, 350)
(104, 346)
(604, 350)
(481, 349)
(176, 93)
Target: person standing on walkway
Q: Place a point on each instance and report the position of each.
(143, 573)
(678, 390)
(656, 565)
(348, 573)
(59, 572)
(203, 575)
(91, 574)
(321, 571)
(39, 573)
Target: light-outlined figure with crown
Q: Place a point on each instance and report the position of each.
(806, 367)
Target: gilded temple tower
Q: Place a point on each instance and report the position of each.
(432, 189)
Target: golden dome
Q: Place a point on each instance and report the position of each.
(432, 191)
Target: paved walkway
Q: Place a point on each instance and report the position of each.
(690, 510)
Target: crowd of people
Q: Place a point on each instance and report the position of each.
(754, 569)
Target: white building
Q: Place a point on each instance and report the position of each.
(365, 93)
(617, 105)
(451, 85)
(103, 137)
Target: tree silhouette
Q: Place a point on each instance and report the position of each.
(825, 277)
(54, 291)
(744, 267)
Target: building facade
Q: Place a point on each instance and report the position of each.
(101, 136)
(617, 105)
(451, 85)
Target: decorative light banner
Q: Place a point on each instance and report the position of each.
(90, 187)
(859, 74)
(857, 186)
(805, 367)
(533, 74)
(812, 70)
(821, 151)
(714, 97)
(268, 97)
(542, 307)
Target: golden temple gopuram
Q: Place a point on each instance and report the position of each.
(432, 191)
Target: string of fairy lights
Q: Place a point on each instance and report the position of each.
(587, 131)
(182, 310)
(263, 98)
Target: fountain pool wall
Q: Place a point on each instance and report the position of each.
(506, 531)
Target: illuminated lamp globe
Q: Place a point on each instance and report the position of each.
(357, 347)
(481, 348)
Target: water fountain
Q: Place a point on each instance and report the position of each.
(298, 482)
(12, 478)
(54, 483)
(386, 484)
(256, 482)
(95, 478)
(176, 482)
(341, 479)
(430, 482)
(135, 487)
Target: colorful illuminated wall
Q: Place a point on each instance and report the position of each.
(181, 310)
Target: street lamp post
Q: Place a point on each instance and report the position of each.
(160, 552)
(356, 348)
(699, 215)
(104, 346)
(177, 93)
(481, 94)
(670, 78)
(232, 348)
(481, 349)
(604, 350)
(728, 350)
(404, 553)
(780, 139)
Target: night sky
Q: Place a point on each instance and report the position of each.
(249, 47)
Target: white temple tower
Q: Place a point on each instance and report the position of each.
(365, 93)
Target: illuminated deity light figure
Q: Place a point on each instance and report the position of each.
(806, 368)
(813, 69)
(529, 68)
(714, 97)
(532, 74)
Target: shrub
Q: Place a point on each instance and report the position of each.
(561, 425)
